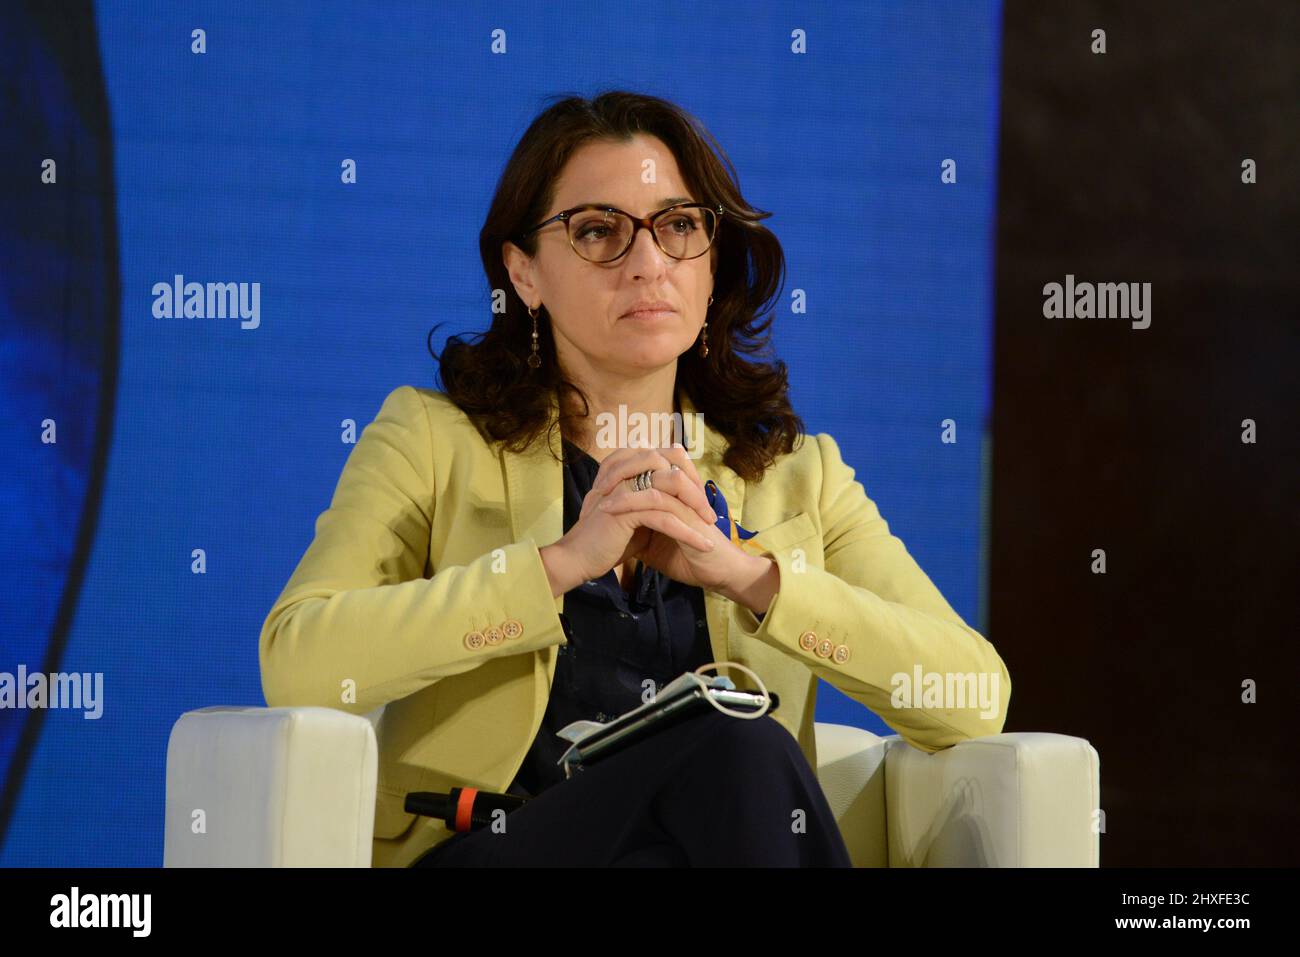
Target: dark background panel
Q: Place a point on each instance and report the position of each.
(1126, 167)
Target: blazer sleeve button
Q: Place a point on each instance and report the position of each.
(808, 640)
(493, 636)
(841, 654)
(824, 648)
(474, 640)
(511, 628)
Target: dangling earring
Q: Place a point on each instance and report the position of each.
(704, 333)
(534, 360)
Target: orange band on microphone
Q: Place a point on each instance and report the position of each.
(464, 804)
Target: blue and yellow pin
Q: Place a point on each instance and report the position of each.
(718, 502)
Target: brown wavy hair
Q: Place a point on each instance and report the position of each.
(747, 401)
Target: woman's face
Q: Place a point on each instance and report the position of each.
(587, 301)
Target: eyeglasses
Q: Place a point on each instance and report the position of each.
(601, 234)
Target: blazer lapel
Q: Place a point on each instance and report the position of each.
(535, 489)
(535, 497)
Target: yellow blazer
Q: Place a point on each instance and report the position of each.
(424, 590)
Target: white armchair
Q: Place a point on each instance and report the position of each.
(295, 787)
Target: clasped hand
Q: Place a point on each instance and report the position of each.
(670, 527)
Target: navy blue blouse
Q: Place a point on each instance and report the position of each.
(616, 641)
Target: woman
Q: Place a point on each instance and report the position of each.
(499, 560)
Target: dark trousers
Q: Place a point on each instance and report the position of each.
(712, 791)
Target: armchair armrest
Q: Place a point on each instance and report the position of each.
(851, 771)
(1022, 799)
(270, 787)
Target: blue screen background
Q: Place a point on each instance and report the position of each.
(227, 170)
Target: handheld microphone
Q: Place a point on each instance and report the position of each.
(462, 809)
